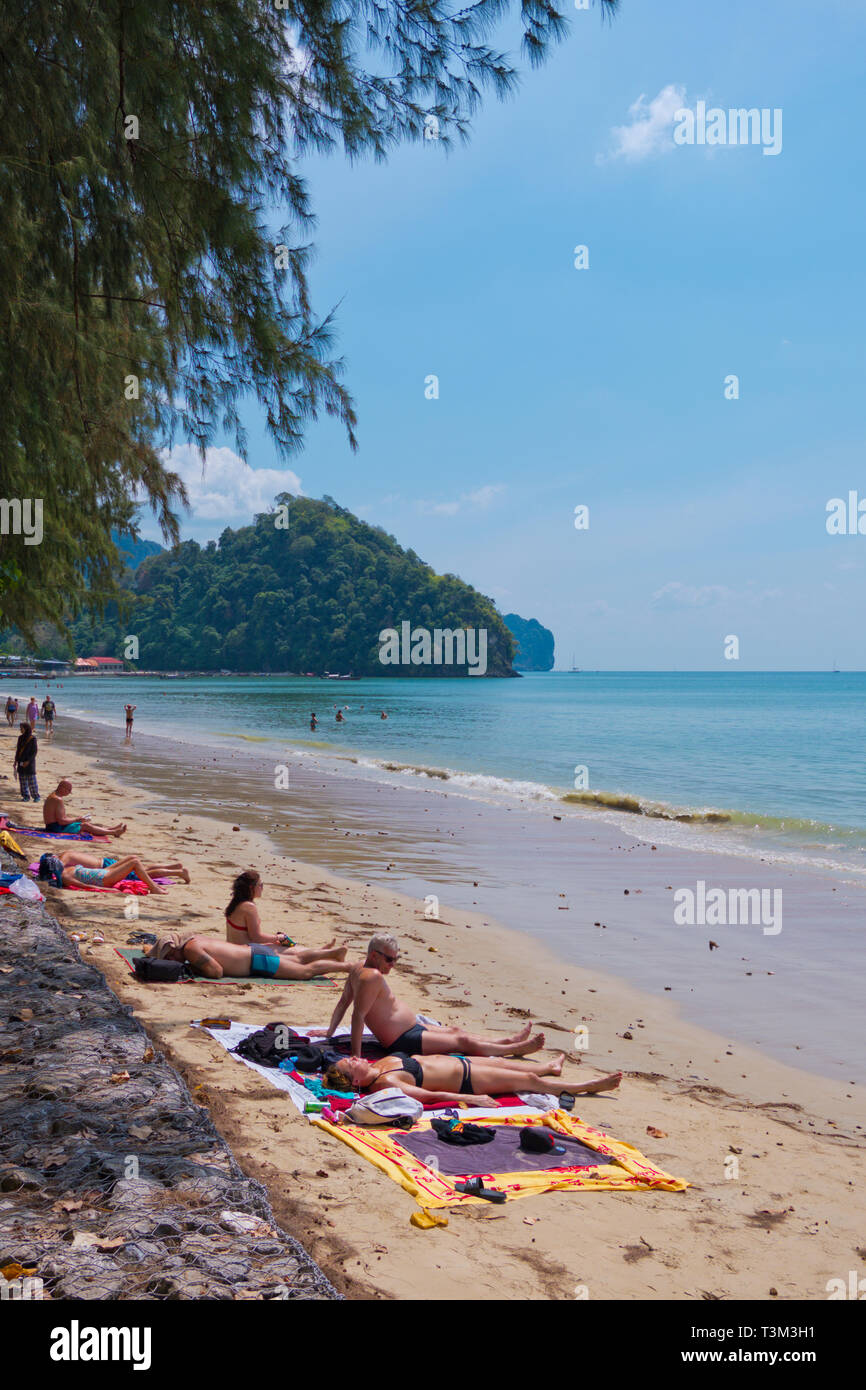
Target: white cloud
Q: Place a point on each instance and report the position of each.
(650, 130)
(225, 489)
(676, 595)
(480, 498)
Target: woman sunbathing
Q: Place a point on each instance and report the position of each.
(69, 858)
(244, 925)
(91, 877)
(446, 1080)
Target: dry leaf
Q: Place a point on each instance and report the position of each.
(25, 1015)
(13, 1270)
(68, 1205)
(110, 1244)
(148, 1055)
(656, 1133)
(6, 969)
(83, 1240)
(140, 1131)
(118, 1076)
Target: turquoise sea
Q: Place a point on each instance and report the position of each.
(767, 764)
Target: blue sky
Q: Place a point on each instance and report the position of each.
(605, 386)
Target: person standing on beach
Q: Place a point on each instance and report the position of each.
(48, 711)
(32, 712)
(129, 710)
(24, 765)
(11, 710)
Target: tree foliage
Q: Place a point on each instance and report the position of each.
(313, 597)
(143, 150)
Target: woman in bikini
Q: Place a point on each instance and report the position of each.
(70, 858)
(244, 925)
(127, 867)
(437, 1080)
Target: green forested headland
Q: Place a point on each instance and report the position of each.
(312, 595)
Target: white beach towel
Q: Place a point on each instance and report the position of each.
(299, 1095)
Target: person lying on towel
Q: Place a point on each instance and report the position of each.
(396, 1026)
(89, 876)
(436, 1080)
(217, 960)
(70, 858)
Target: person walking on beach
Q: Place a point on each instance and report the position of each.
(11, 710)
(48, 711)
(58, 823)
(32, 713)
(396, 1027)
(24, 765)
(129, 710)
(217, 960)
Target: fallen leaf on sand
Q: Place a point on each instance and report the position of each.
(529, 1220)
(119, 1076)
(656, 1133)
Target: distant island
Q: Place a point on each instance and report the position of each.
(534, 643)
(306, 589)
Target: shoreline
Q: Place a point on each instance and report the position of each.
(597, 897)
(787, 1125)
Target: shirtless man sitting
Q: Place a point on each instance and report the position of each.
(396, 1027)
(58, 823)
(217, 960)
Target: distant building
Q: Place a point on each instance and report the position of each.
(96, 663)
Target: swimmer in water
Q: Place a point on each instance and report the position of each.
(313, 721)
(383, 715)
(340, 716)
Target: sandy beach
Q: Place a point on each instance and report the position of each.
(782, 1228)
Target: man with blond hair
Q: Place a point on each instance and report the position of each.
(396, 1026)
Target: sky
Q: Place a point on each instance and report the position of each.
(608, 387)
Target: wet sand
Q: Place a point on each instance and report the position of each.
(784, 1226)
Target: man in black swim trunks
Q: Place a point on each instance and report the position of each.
(396, 1026)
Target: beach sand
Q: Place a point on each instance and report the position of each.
(787, 1224)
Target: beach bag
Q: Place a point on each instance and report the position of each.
(390, 1107)
(163, 972)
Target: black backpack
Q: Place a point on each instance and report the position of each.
(165, 972)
